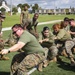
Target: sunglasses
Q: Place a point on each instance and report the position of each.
(14, 32)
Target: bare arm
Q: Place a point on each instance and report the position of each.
(35, 28)
(71, 32)
(14, 48)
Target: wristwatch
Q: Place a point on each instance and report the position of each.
(8, 51)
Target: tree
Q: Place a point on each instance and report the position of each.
(35, 7)
(67, 11)
(25, 5)
(19, 5)
(14, 10)
(3, 10)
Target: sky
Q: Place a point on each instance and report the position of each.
(47, 4)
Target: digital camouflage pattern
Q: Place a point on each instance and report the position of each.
(11, 40)
(53, 51)
(69, 45)
(2, 57)
(22, 63)
(25, 17)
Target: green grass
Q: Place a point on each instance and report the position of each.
(60, 68)
(11, 20)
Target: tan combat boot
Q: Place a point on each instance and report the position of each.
(46, 62)
(72, 62)
(73, 50)
(4, 58)
(54, 59)
(40, 66)
(64, 53)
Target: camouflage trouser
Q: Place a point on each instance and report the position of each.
(22, 63)
(60, 45)
(11, 40)
(53, 51)
(69, 45)
(1, 47)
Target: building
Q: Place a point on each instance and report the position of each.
(5, 7)
(56, 11)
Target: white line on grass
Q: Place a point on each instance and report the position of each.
(32, 70)
(41, 23)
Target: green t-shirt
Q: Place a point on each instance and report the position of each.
(31, 43)
(67, 28)
(47, 43)
(50, 37)
(63, 35)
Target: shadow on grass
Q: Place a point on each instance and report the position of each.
(66, 66)
(4, 73)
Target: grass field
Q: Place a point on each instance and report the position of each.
(11, 20)
(59, 68)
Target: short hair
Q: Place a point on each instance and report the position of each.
(16, 26)
(62, 24)
(45, 28)
(71, 19)
(36, 14)
(56, 26)
(66, 19)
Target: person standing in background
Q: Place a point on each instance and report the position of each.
(2, 18)
(24, 16)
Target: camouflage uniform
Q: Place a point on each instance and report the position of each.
(53, 51)
(32, 23)
(11, 40)
(1, 46)
(25, 16)
(2, 57)
(67, 28)
(33, 55)
(72, 29)
(66, 41)
(62, 36)
(69, 45)
(24, 63)
(2, 17)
